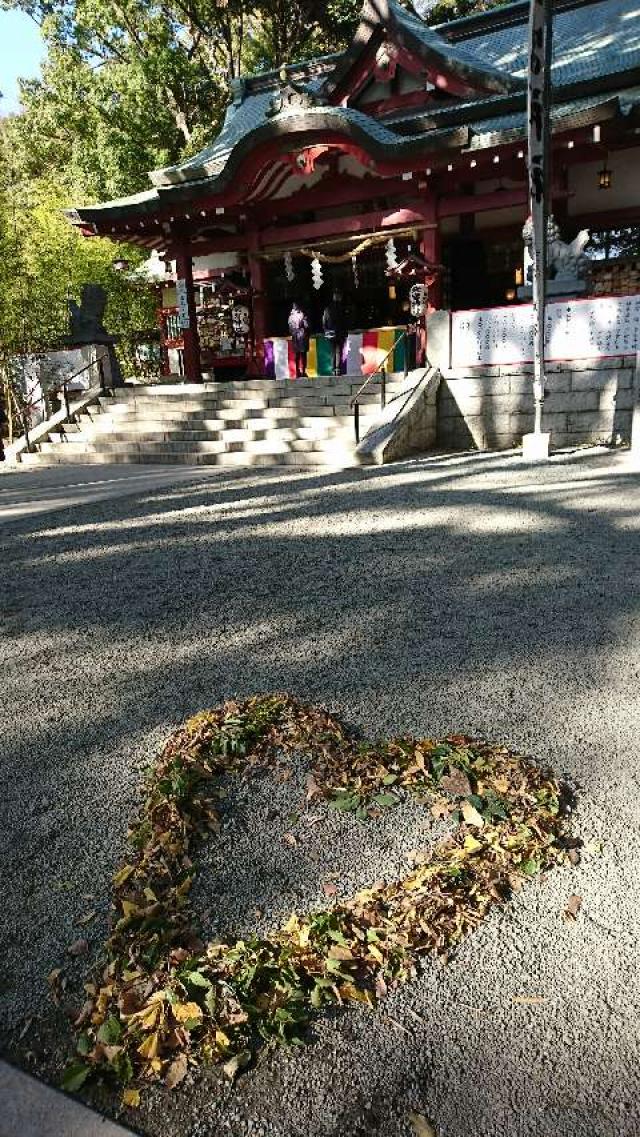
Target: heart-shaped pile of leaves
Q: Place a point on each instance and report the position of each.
(164, 1000)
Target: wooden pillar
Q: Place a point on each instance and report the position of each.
(187, 313)
(258, 278)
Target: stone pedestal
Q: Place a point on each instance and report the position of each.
(535, 447)
(569, 287)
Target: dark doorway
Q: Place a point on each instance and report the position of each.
(466, 262)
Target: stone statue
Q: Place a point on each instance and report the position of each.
(86, 317)
(86, 327)
(568, 266)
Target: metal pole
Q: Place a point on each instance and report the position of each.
(356, 421)
(538, 107)
(383, 387)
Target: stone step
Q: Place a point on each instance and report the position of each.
(237, 459)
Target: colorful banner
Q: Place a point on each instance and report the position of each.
(363, 353)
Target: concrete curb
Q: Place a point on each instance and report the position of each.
(28, 1108)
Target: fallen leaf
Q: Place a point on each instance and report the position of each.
(233, 1067)
(456, 783)
(574, 856)
(123, 875)
(440, 810)
(149, 1048)
(420, 1125)
(53, 977)
(594, 847)
(87, 918)
(574, 904)
(131, 1098)
(313, 789)
(290, 840)
(183, 1012)
(471, 815)
(380, 986)
(329, 889)
(75, 1076)
(79, 947)
(176, 1072)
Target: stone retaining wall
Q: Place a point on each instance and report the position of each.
(491, 408)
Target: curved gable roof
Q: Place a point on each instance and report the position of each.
(410, 31)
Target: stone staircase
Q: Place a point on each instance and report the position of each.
(248, 423)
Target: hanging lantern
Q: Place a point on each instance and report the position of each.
(604, 177)
(390, 253)
(316, 273)
(288, 266)
(354, 267)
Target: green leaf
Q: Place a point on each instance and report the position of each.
(385, 800)
(121, 1064)
(197, 979)
(336, 935)
(75, 1076)
(390, 779)
(110, 1032)
(84, 1045)
(530, 867)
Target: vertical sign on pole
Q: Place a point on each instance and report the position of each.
(183, 304)
(538, 107)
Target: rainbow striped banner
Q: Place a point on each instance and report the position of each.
(363, 354)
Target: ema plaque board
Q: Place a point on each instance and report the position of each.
(574, 329)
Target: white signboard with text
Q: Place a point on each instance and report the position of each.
(574, 329)
(183, 304)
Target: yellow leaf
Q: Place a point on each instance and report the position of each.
(222, 1039)
(375, 953)
(471, 844)
(185, 1011)
(471, 815)
(150, 895)
(291, 925)
(150, 1046)
(348, 991)
(131, 1098)
(148, 1017)
(123, 875)
(421, 1127)
(129, 908)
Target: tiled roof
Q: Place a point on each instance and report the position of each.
(589, 42)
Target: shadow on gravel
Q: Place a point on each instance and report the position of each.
(442, 593)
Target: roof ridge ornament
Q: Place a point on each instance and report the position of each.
(292, 95)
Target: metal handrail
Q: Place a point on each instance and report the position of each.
(99, 361)
(380, 370)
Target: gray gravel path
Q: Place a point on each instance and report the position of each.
(473, 594)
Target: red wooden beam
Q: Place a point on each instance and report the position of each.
(471, 203)
(340, 192)
(420, 214)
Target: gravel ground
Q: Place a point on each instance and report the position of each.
(473, 594)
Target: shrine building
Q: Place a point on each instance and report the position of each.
(408, 147)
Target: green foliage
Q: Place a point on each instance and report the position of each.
(44, 261)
